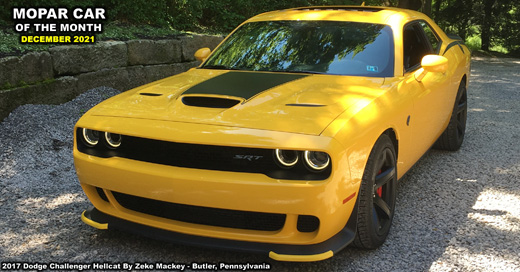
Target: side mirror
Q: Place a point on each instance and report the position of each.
(433, 64)
(202, 53)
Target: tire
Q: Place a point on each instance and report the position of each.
(451, 139)
(377, 195)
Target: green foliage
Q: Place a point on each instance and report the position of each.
(219, 16)
(130, 19)
(6, 86)
(140, 12)
(468, 19)
(22, 83)
(456, 17)
(10, 44)
(474, 42)
(6, 11)
(49, 81)
(506, 26)
(123, 32)
(225, 15)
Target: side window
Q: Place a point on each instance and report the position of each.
(415, 46)
(432, 36)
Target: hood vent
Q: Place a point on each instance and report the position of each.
(151, 94)
(209, 102)
(312, 105)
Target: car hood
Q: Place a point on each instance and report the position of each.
(297, 103)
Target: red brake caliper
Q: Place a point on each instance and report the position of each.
(379, 190)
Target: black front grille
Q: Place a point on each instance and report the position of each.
(203, 215)
(210, 157)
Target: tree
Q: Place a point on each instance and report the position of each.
(436, 8)
(486, 24)
(504, 26)
(410, 4)
(424, 5)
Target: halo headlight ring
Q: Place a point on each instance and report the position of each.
(90, 137)
(316, 160)
(113, 140)
(287, 158)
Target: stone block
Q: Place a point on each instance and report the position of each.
(35, 67)
(30, 68)
(8, 76)
(114, 78)
(76, 59)
(148, 52)
(157, 72)
(136, 76)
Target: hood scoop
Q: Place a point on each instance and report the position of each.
(210, 102)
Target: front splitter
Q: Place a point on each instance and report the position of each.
(279, 252)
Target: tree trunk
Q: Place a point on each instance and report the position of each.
(437, 9)
(463, 29)
(403, 3)
(410, 4)
(387, 3)
(486, 25)
(427, 8)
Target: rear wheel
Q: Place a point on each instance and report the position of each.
(377, 195)
(452, 138)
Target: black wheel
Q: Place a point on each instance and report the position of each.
(451, 139)
(377, 195)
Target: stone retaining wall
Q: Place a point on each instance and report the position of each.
(64, 72)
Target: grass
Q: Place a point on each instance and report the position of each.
(22, 83)
(474, 43)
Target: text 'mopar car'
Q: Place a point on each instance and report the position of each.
(288, 139)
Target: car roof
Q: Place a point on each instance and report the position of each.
(379, 15)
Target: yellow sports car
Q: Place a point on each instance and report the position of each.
(288, 139)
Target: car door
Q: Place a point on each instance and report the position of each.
(431, 95)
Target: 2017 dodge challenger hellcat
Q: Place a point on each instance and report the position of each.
(288, 139)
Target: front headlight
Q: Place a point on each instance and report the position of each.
(316, 160)
(90, 137)
(286, 158)
(113, 139)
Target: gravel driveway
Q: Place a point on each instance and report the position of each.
(455, 211)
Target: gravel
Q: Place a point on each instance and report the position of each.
(457, 211)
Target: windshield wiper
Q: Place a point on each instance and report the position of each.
(219, 67)
(223, 67)
(301, 72)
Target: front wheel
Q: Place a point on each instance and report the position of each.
(377, 195)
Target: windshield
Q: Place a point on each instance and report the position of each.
(322, 47)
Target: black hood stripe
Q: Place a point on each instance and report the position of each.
(242, 84)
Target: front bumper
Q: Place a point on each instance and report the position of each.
(279, 252)
(332, 200)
